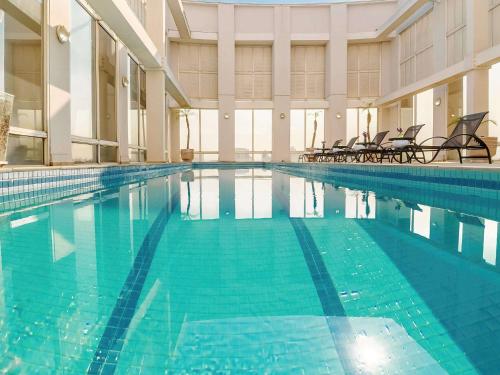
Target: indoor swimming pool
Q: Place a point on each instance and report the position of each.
(252, 271)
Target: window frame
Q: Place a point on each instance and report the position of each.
(252, 153)
(39, 134)
(97, 141)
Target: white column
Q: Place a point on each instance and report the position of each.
(336, 75)
(281, 84)
(155, 84)
(123, 103)
(477, 94)
(440, 114)
(59, 85)
(174, 149)
(226, 81)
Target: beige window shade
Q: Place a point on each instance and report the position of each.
(308, 72)
(455, 31)
(416, 51)
(195, 65)
(424, 59)
(253, 72)
(363, 75)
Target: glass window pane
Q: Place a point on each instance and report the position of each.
(209, 130)
(194, 125)
(82, 72)
(107, 86)
(315, 119)
(297, 130)
(21, 70)
(263, 130)
(243, 131)
(108, 154)
(24, 150)
(83, 153)
(352, 124)
(133, 114)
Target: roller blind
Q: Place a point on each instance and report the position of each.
(195, 66)
(253, 72)
(455, 30)
(363, 75)
(308, 72)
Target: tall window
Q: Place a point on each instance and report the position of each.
(137, 112)
(302, 130)
(82, 81)
(204, 133)
(107, 97)
(253, 192)
(357, 121)
(94, 131)
(253, 134)
(21, 75)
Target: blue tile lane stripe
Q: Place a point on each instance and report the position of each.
(327, 293)
(111, 343)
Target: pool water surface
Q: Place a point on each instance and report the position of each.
(249, 271)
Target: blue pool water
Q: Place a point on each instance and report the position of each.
(254, 271)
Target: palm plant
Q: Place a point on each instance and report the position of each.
(315, 128)
(186, 113)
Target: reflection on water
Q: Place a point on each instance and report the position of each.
(230, 251)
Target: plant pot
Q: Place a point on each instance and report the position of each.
(6, 104)
(491, 143)
(187, 154)
(400, 143)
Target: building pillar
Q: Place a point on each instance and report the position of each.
(336, 75)
(155, 84)
(226, 71)
(174, 149)
(281, 84)
(440, 113)
(477, 99)
(58, 85)
(122, 109)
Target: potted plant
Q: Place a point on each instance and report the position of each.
(400, 143)
(6, 104)
(491, 142)
(368, 122)
(187, 154)
(315, 129)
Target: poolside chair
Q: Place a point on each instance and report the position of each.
(396, 153)
(463, 138)
(366, 151)
(318, 153)
(338, 153)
